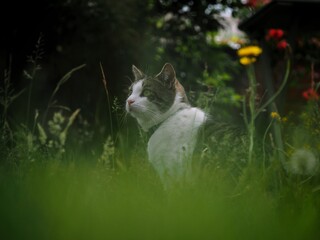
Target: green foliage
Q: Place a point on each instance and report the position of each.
(219, 94)
(63, 201)
(63, 194)
(302, 130)
(25, 144)
(7, 97)
(61, 178)
(107, 157)
(58, 128)
(207, 71)
(34, 60)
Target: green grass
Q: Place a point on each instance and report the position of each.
(52, 199)
(59, 184)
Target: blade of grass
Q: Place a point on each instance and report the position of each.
(62, 81)
(104, 81)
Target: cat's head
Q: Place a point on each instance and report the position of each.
(154, 98)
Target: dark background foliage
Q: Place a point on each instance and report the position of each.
(116, 34)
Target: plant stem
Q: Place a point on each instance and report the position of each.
(276, 94)
(62, 81)
(104, 81)
(34, 70)
(252, 97)
(264, 143)
(244, 110)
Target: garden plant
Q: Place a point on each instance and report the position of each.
(67, 172)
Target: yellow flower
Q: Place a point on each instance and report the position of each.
(284, 119)
(247, 60)
(249, 51)
(275, 115)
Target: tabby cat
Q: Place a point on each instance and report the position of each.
(159, 104)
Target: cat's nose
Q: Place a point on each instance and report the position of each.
(130, 101)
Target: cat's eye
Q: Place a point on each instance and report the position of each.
(147, 93)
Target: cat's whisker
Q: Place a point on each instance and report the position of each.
(122, 119)
(131, 81)
(145, 109)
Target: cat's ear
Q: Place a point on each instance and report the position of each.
(167, 75)
(138, 74)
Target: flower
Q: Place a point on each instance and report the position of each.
(303, 162)
(310, 94)
(256, 3)
(249, 51)
(282, 44)
(247, 60)
(229, 34)
(276, 34)
(275, 115)
(248, 54)
(284, 119)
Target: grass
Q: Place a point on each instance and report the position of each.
(47, 193)
(50, 189)
(73, 199)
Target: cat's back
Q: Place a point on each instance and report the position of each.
(177, 135)
(185, 120)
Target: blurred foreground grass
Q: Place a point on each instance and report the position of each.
(55, 200)
(49, 190)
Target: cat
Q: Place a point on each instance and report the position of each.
(160, 106)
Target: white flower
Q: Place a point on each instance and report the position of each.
(303, 162)
(229, 34)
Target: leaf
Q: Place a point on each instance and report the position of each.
(16, 95)
(65, 78)
(71, 119)
(42, 134)
(27, 75)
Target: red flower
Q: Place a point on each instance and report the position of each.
(310, 94)
(251, 3)
(257, 3)
(282, 44)
(276, 34)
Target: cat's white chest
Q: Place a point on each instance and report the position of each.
(171, 146)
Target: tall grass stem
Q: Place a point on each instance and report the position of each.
(252, 97)
(277, 93)
(62, 81)
(105, 85)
